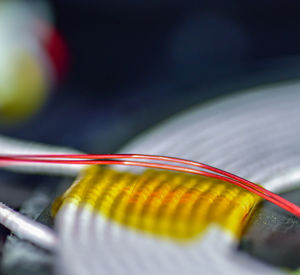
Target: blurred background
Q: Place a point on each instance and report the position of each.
(93, 74)
(98, 72)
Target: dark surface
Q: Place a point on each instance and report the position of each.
(273, 234)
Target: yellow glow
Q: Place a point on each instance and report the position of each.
(174, 205)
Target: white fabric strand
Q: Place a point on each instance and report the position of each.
(254, 135)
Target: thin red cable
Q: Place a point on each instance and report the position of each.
(267, 194)
(153, 165)
(207, 167)
(163, 158)
(94, 159)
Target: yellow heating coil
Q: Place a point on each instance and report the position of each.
(169, 204)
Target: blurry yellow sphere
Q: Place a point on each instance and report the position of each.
(23, 86)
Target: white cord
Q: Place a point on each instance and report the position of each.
(10, 146)
(28, 229)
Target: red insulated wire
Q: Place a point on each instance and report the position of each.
(161, 158)
(100, 159)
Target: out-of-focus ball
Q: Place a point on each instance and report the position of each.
(23, 85)
(28, 68)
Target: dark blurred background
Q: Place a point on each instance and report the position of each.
(133, 63)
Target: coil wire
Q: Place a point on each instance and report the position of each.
(254, 135)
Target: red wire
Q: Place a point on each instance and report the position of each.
(94, 159)
(161, 158)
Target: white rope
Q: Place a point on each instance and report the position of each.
(28, 229)
(10, 146)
